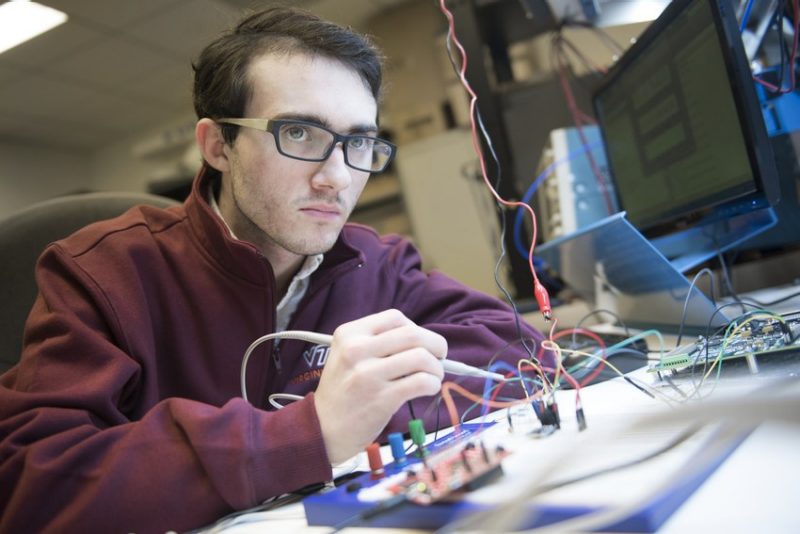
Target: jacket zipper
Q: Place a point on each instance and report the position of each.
(276, 355)
(276, 351)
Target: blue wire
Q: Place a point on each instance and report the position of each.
(746, 16)
(492, 389)
(521, 248)
(487, 389)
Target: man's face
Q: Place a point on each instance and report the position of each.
(285, 206)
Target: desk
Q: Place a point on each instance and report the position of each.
(757, 489)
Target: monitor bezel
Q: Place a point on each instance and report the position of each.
(764, 190)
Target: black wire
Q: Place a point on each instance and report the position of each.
(707, 347)
(613, 45)
(435, 403)
(770, 303)
(532, 381)
(719, 331)
(708, 334)
(411, 410)
(436, 429)
(729, 285)
(779, 13)
(503, 228)
(622, 351)
(563, 41)
(689, 296)
(479, 120)
(727, 277)
(598, 311)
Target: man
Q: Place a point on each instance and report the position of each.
(125, 410)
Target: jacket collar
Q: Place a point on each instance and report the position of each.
(240, 257)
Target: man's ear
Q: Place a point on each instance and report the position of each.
(208, 135)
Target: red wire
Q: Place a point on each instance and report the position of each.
(578, 117)
(591, 376)
(540, 293)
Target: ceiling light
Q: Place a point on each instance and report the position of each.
(21, 20)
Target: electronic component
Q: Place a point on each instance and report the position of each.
(758, 337)
(548, 412)
(417, 432)
(571, 198)
(398, 448)
(462, 466)
(375, 460)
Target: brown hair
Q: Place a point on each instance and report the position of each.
(221, 85)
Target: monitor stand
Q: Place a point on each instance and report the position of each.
(649, 290)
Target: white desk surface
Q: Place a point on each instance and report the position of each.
(757, 489)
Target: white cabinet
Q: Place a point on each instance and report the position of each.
(453, 216)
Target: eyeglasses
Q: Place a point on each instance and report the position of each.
(307, 141)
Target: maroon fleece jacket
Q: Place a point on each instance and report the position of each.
(125, 411)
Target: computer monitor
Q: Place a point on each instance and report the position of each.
(691, 164)
(681, 122)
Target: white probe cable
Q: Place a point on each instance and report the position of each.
(450, 366)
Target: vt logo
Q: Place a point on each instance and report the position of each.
(316, 356)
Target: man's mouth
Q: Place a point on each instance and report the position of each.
(324, 211)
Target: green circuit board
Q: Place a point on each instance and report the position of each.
(758, 337)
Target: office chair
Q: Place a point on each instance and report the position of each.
(24, 236)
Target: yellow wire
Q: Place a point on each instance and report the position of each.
(660, 394)
(726, 340)
(550, 345)
(536, 368)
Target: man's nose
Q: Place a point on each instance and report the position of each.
(333, 173)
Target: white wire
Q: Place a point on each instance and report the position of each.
(450, 366)
(312, 337)
(273, 399)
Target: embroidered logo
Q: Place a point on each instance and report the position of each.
(316, 356)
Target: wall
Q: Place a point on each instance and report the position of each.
(412, 106)
(415, 92)
(30, 174)
(143, 159)
(594, 49)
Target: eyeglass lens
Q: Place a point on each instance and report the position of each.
(309, 142)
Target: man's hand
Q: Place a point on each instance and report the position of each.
(375, 364)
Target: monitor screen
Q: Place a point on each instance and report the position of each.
(681, 122)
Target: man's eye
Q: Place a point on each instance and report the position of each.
(295, 133)
(360, 143)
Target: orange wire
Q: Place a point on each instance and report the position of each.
(451, 405)
(540, 292)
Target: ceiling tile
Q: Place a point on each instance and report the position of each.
(170, 84)
(141, 117)
(185, 28)
(110, 13)
(58, 43)
(45, 97)
(117, 66)
(110, 63)
(10, 72)
(50, 133)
